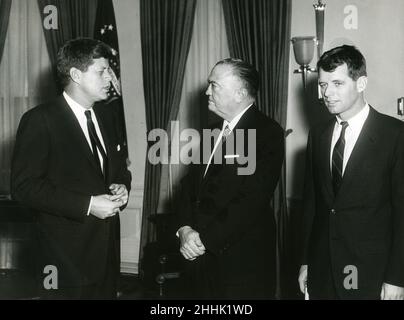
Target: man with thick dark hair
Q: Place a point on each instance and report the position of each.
(68, 166)
(354, 191)
(227, 228)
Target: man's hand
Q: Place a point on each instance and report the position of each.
(105, 206)
(303, 278)
(191, 244)
(391, 292)
(119, 192)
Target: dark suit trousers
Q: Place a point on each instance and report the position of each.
(106, 289)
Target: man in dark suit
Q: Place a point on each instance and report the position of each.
(68, 166)
(354, 191)
(227, 228)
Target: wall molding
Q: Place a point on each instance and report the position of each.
(131, 224)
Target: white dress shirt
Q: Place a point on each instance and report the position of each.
(355, 125)
(231, 125)
(78, 111)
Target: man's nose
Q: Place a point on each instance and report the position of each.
(208, 91)
(328, 91)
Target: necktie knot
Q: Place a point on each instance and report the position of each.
(344, 125)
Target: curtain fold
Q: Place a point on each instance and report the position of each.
(76, 18)
(208, 45)
(166, 30)
(5, 7)
(259, 32)
(25, 77)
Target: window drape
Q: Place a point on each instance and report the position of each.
(25, 77)
(259, 32)
(166, 30)
(208, 45)
(5, 6)
(76, 18)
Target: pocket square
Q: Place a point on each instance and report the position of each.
(230, 156)
(118, 147)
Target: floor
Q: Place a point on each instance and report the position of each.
(17, 286)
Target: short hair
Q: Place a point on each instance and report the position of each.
(79, 53)
(350, 55)
(245, 72)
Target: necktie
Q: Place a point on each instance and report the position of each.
(226, 133)
(96, 143)
(338, 159)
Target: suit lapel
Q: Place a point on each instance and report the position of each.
(247, 121)
(105, 137)
(76, 133)
(202, 178)
(325, 149)
(362, 150)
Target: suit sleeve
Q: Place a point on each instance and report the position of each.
(185, 204)
(394, 273)
(308, 199)
(245, 209)
(29, 181)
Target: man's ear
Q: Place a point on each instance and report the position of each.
(361, 83)
(75, 74)
(241, 94)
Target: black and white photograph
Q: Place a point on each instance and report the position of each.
(202, 156)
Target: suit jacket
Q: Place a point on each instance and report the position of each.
(54, 172)
(363, 225)
(233, 215)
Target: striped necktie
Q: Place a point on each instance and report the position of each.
(338, 159)
(96, 144)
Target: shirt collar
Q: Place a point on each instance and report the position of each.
(236, 119)
(75, 106)
(357, 121)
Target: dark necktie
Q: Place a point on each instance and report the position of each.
(226, 133)
(96, 143)
(338, 159)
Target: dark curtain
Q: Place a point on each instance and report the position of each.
(5, 7)
(166, 31)
(75, 19)
(106, 30)
(258, 31)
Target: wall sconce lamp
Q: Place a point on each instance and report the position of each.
(303, 47)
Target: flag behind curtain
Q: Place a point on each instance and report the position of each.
(259, 32)
(166, 30)
(105, 30)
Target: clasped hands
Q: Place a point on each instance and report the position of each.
(191, 244)
(107, 205)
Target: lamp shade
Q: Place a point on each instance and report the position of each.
(303, 48)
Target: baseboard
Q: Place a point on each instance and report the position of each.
(130, 267)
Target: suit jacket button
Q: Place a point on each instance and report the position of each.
(333, 211)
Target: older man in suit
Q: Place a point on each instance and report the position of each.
(69, 167)
(354, 191)
(227, 228)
